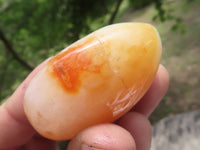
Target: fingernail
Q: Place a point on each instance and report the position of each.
(89, 147)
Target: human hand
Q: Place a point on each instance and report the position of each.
(132, 131)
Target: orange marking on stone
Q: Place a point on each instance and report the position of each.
(67, 66)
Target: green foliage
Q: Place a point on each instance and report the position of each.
(137, 4)
(37, 29)
(166, 13)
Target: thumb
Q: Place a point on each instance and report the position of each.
(14, 125)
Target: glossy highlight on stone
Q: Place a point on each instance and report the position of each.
(95, 80)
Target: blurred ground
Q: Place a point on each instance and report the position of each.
(178, 132)
(181, 56)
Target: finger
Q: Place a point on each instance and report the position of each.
(103, 137)
(139, 127)
(156, 92)
(14, 127)
(40, 143)
(37, 143)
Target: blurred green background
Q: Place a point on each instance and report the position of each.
(33, 30)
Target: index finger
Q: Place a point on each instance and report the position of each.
(155, 93)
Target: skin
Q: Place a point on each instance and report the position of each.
(131, 132)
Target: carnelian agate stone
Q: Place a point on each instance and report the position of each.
(95, 80)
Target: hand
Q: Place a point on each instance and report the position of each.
(130, 132)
